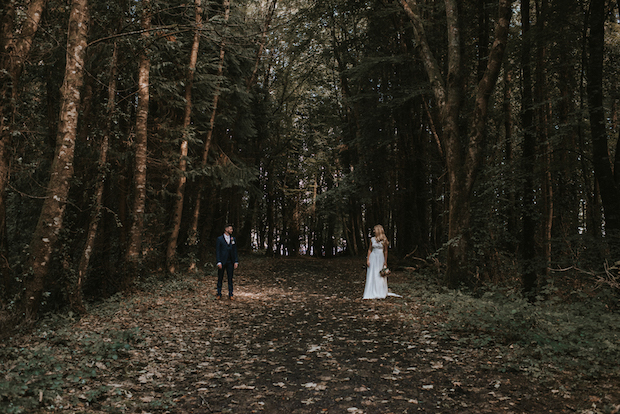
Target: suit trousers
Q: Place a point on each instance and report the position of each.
(229, 268)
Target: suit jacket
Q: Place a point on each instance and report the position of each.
(226, 252)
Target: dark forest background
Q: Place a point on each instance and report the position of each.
(481, 134)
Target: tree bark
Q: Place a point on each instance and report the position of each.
(483, 38)
(568, 196)
(529, 275)
(134, 247)
(52, 213)
(187, 116)
(270, 213)
(193, 229)
(543, 132)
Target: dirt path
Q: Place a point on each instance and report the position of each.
(298, 339)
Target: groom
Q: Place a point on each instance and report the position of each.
(227, 259)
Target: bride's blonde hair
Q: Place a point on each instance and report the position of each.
(380, 235)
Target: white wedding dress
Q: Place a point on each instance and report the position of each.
(376, 285)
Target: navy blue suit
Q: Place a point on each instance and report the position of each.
(226, 254)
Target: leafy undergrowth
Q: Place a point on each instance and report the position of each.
(299, 339)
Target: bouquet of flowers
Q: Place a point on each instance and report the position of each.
(384, 272)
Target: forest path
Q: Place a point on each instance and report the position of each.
(299, 339)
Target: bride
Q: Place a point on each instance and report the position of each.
(376, 285)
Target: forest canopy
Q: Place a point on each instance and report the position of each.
(482, 135)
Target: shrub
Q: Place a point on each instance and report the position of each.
(34, 377)
(580, 335)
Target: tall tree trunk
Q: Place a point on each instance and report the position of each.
(609, 189)
(244, 236)
(270, 213)
(462, 168)
(615, 109)
(529, 275)
(15, 47)
(134, 247)
(123, 182)
(593, 220)
(567, 194)
(193, 228)
(512, 210)
(544, 138)
(52, 213)
(91, 235)
(187, 116)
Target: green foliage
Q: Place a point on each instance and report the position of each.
(32, 379)
(578, 335)
(35, 377)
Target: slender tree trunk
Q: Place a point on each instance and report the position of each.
(512, 197)
(529, 275)
(52, 213)
(609, 189)
(567, 198)
(615, 110)
(593, 219)
(91, 235)
(270, 211)
(244, 236)
(548, 193)
(123, 182)
(15, 47)
(313, 225)
(180, 193)
(134, 247)
(360, 230)
(544, 115)
(193, 228)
